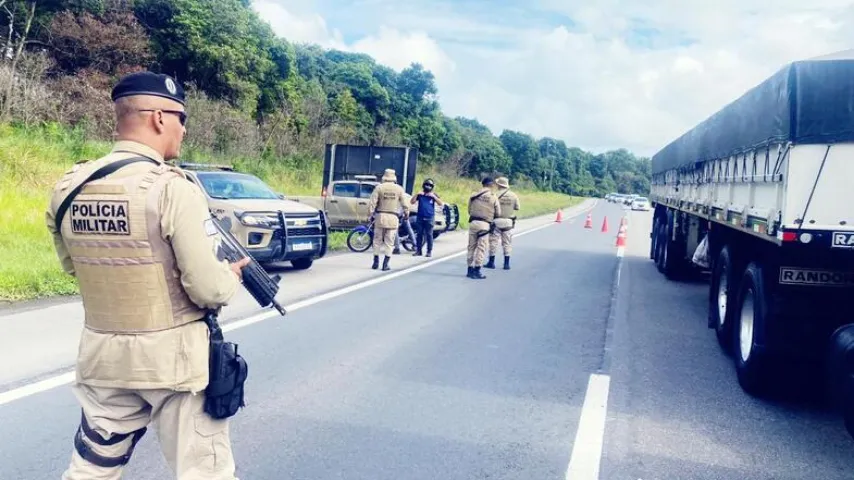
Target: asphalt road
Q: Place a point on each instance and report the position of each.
(435, 376)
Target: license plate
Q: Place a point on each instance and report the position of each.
(843, 240)
(301, 247)
(300, 222)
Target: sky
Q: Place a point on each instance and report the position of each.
(599, 75)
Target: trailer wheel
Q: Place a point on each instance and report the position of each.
(653, 237)
(670, 254)
(660, 245)
(752, 364)
(722, 292)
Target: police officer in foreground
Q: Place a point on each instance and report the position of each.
(142, 246)
(387, 200)
(504, 223)
(483, 208)
(426, 216)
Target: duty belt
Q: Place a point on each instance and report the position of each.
(480, 219)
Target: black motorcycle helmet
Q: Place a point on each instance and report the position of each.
(428, 185)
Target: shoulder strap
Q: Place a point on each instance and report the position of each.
(479, 195)
(505, 193)
(99, 173)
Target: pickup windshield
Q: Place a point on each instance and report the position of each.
(232, 186)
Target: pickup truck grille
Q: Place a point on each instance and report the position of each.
(303, 231)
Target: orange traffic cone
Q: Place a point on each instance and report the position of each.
(621, 236)
(589, 222)
(605, 225)
(559, 216)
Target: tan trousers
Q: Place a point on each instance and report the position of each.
(195, 445)
(384, 240)
(504, 238)
(478, 243)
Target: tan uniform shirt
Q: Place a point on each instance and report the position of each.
(484, 205)
(509, 202)
(177, 358)
(387, 201)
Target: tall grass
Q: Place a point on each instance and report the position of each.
(33, 159)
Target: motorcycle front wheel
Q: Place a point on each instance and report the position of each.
(359, 241)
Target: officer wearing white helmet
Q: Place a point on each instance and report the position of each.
(138, 237)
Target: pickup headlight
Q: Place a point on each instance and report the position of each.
(258, 219)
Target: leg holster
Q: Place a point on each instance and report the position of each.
(94, 457)
(227, 374)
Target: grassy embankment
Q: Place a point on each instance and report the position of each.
(32, 160)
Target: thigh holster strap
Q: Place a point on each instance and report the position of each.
(91, 456)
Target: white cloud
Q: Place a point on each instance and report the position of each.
(571, 70)
(398, 50)
(298, 27)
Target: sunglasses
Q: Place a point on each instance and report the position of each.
(182, 116)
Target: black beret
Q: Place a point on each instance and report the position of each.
(487, 181)
(148, 83)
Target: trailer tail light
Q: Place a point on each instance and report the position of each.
(323, 192)
(790, 237)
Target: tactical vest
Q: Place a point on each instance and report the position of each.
(389, 198)
(482, 207)
(127, 273)
(506, 199)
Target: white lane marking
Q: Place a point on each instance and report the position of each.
(37, 387)
(68, 377)
(587, 449)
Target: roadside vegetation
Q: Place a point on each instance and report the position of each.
(257, 101)
(32, 159)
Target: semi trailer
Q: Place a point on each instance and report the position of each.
(761, 195)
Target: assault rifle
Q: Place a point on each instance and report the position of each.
(258, 283)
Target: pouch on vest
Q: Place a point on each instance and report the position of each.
(227, 374)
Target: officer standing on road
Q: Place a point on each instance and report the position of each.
(483, 208)
(386, 200)
(142, 246)
(504, 223)
(426, 216)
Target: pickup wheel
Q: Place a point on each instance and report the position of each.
(752, 364)
(722, 292)
(302, 263)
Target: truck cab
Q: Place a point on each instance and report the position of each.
(270, 227)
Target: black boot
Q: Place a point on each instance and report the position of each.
(506, 263)
(417, 253)
(470, 272)
(477, 275)
(429, 253)
(396, 251)
(376, 264)
(491, 263)
(385, 264)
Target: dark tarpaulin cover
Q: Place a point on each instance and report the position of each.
(809, 101)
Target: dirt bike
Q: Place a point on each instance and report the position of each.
(361, 238)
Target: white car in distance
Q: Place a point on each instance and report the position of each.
(641, 203)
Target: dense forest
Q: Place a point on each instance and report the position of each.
(255, 95)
